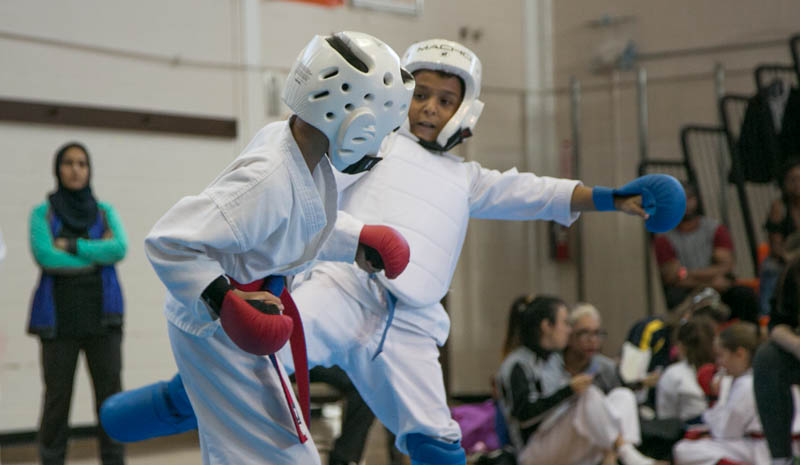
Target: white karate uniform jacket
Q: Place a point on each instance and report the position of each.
(678, 394)
(730, 422)
(265, 214)
(429, 198)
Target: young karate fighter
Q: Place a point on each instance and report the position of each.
(732, 423)
(272, 211)
(429, 196)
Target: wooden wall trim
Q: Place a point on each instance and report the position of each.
(114, 118)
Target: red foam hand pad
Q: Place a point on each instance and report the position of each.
(705, 377)
(253, 331)
(390, 244)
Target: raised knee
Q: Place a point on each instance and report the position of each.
(425, 450)
(622, 393)
(593, 394)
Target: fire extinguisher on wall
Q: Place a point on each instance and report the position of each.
(559, 242)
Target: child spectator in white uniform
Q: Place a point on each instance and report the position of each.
(732, 424)
(678, 394)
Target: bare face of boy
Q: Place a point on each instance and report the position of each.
(436, 99)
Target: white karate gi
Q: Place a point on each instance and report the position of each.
(428, 197)
(678, 394)
(730, 422)
(265, 214)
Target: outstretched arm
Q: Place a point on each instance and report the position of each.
(658, 198)
(582, 201)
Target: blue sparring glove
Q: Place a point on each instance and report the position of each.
(160, 409)
(663, 198)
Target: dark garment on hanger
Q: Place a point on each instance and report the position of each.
(789, 137)
(759, 149)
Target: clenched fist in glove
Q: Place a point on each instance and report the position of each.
(382, 248)
(657, 197)
(252, 320)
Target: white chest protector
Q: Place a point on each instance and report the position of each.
(425, 196)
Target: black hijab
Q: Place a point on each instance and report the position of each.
(76, 209)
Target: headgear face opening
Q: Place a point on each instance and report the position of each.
(453, 58)
(351, 87)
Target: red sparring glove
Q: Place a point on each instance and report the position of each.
(729, 462)
(254, 326)
(385, 249)
(705, 378)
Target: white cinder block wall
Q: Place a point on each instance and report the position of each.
(140, 173)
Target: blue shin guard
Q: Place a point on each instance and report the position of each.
(160, 409)
(425, 450)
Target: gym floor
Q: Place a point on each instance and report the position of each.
(184, 449)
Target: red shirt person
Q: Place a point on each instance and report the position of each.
(699, 253)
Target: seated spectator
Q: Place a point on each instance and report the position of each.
(512, 340)
(655, 333)
(678, 393)
(582, 354)
(782, 223)
(698, 253)
(733, 421)
(556, 418)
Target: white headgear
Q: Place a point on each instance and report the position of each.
(453, 58)
(351, 87)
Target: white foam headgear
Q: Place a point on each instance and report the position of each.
(453, 58)
(351, 87)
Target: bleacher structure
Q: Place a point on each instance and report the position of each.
(711, 162)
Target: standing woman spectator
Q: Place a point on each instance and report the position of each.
(77, 306)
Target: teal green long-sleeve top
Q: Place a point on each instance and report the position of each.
(78, 294)
(89, 252)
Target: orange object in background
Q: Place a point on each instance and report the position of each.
(752, 283)
(321, 2)
(762, 252)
